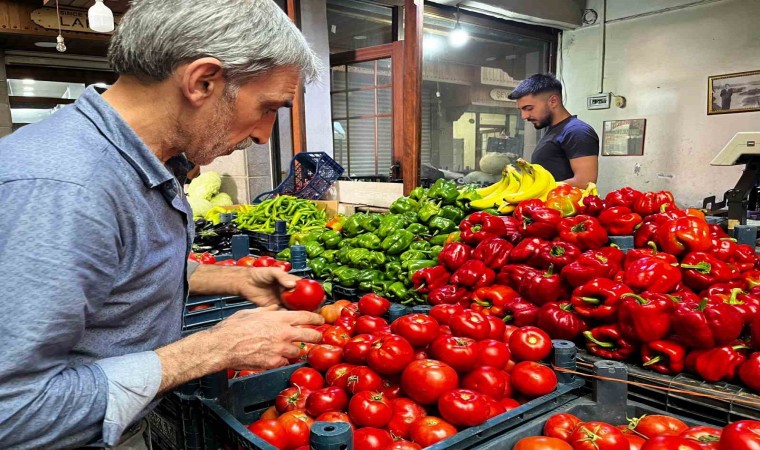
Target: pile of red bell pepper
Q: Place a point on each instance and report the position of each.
(686, 298)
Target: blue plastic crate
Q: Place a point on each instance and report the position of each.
(311, 175)
(219, 308)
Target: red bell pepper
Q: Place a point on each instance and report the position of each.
(520, 313)
(683, 296)
(717, 232)
(555, 253)
(454, 255)
(726, 288)
(566, 199)
(701, 270)
(599, 299)
(646, 233)
(620, 221)
(652, 274)
(752, 278)
(560, 322)
(668, 357)
(513, 274)
(719, 363)
(592, 205)
(651, 251)
(745, 304)
(622, 197)
(606, 342)
(526, 250)
(473, 274)
(706, 326)
(537, 220)
(480, 226)
(687, 234)
(430, 278)
(654, 202)
(741, 256)
(543, 287)
(449, 294)
(495, 296)
(514, 229)
(749, 371)
(645, 317)
(494, 252)
(754, 333)
(584, 231)
(602, 263)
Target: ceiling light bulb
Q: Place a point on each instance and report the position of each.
(60, 46)
(100, 17)
(458, 37)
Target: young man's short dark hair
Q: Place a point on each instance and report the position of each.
(537, 84)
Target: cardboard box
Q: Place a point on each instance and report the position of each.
(329, 206)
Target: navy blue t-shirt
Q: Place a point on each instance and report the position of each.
(572, 138)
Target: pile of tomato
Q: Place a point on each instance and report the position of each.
(565, 431)
(408, 384)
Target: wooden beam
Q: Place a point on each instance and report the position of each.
(412, 89)
(297, 112)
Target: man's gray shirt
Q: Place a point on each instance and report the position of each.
(94, 236)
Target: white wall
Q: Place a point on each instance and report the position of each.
(660, 62)
(319, 128)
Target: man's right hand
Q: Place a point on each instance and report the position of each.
(263, 338)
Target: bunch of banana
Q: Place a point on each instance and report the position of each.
(525, 182)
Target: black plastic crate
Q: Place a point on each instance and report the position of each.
(736, 402)
(175, 424)
(346, 293)
(270, 243)
(311, 175)
(219, 308)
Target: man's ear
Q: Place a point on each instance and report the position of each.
(201, 79)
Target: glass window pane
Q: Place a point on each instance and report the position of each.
(384, 101)
(338, 78)
(50, 89)
(339, 105)
(340, 142)
(361, 103)
(384, 145)
(361, 140)
(384, 72)
(355, 24)
(361, 74)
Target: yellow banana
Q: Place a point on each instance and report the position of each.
(488, 190)
(507, 208)
(542, 180)
(590, 190)
(493, 198)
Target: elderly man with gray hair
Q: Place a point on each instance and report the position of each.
(96, 230)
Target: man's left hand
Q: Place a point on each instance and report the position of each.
(264, 285)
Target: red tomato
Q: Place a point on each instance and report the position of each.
(741, 435)
(335, 416)
(363, 378)
(635, 442)
(405, 412)
(323, 356)
(284, 265)
(509, 403)
(418, 329)
(561, 426)
(194, 257)
(508, 330)
(444, 329)
(337, 375)
(331, 313)
(307, 378)
(530, 344)
(329, 399)
(346, 322)
(200, 307)
(247, 261)
(458, 352)
(307, 295)
(203, 258)
(336, 335)
(708, 437)
(498, 327)
(494, 408)
(541, 443)
(421, 354)
(305, 348)
(226, 262)
(382, 331)
(370, 438)
(470, 324)
(373, 305)
(271, 431)
(297, 426)
(486, 380)
(463, 407)
(597, 436)
(390, 390)
(356, 350)
(442, 313)
(429, 430)
(370, 409)
(493, 353)
(654, 425)
(425, 380)
(264, 261)
(270, 413)
(533, 379)
(403, 445)
(369, 324)
(390, 355)
(290, 399)
(672, 443)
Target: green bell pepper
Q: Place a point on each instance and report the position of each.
(377, 259)
(413, 265)
(327, 286)
(329, 255)
(439, 239)
(411, 217)
(390, 223)
(397, 242)
(442, 225)
(492, 211)
(393, 269)
(342, 256)
(371, 222)
(452, 213)
(466, 195)
(331, 239)
(313, 236)
(435, 251)
(413, 255)
(444, 190)
(318, 266)
(359, 258)
(284, 255)
(428, 209)
(347, 242)
(331, 268)
(381, 287)
(402, 205)
(418, 229)
(313, 249)
(418, 193)
(353, 225)
(398, 291)
(369, 241)
(368, 278)
(346, 276)
(420, 245)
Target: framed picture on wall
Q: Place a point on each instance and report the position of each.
(733, 92)
(623, 137)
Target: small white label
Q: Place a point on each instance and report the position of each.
(599, 101)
